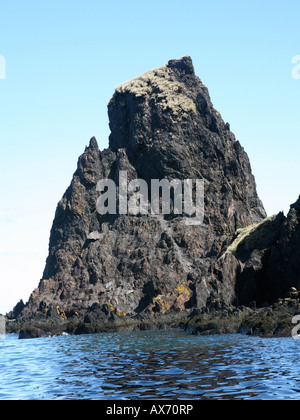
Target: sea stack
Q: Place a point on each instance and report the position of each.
(118, 268)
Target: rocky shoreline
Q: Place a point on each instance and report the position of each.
(51, 328)
(272, 321)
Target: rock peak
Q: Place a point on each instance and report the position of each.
(93, 144)
(183, 65)
(172, 92)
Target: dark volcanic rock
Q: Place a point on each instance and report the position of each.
(272, 321)
(263, 260)
(260, 269)
(283, 265)
(163, 126)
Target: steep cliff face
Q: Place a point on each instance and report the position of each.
(163, 126)
(263, 261)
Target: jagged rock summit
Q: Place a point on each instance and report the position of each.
(117, 267)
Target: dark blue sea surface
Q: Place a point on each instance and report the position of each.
(148, 365)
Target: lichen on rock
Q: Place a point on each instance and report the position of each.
(163, 88)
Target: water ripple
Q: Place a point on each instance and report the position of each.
(149, 365)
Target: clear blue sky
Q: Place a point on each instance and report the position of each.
(64, 59)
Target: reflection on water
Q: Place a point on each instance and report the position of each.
(149, 365)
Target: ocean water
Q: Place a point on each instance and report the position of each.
(149, 365)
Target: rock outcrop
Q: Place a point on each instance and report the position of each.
(117, 267)
(263, 260)
(262, 268)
